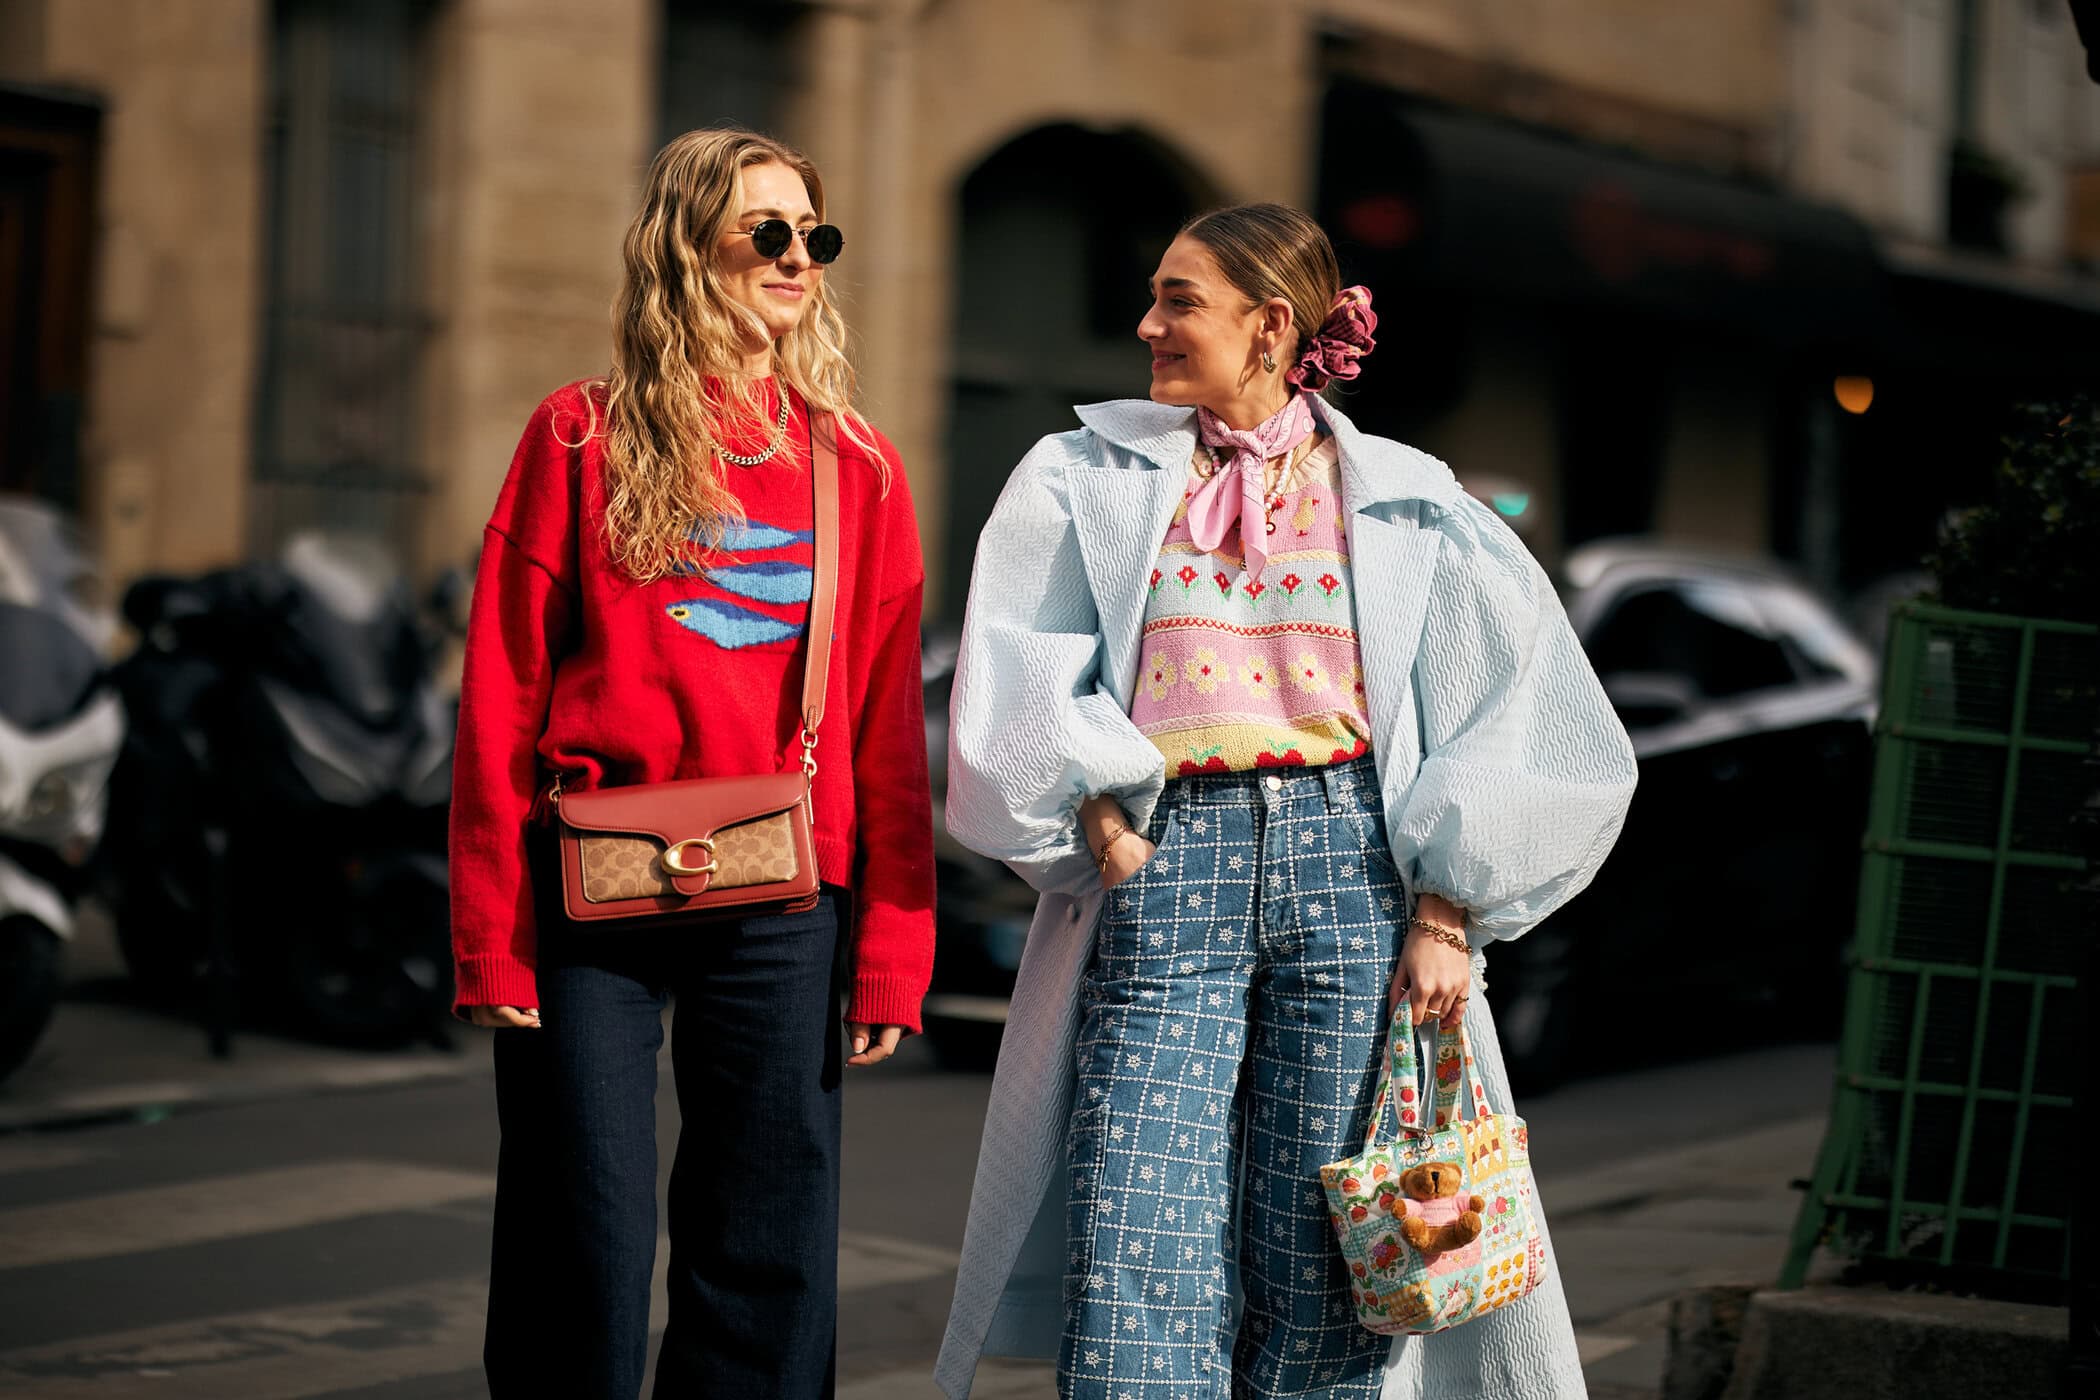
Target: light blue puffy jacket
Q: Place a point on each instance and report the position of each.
(1504, 775)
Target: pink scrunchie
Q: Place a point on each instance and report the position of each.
(1343, 339)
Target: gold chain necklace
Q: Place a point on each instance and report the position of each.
(779, 436)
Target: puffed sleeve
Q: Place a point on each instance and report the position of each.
(1526, 771)
(1033, 731)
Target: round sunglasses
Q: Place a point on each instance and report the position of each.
(772, 236)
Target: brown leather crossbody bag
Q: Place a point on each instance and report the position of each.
(705, 848)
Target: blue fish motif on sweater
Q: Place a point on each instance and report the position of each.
(769, 581)
(729, 626)
(781, 582)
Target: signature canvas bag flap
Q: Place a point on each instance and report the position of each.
(732, 833)
(723, 846)
(1438, 1224)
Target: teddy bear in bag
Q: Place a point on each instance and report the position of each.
(1436, 1218)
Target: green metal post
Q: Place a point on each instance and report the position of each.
(1988, 962)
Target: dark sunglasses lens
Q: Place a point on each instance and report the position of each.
(771, 237)
(824, 242)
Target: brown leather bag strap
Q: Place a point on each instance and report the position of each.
(824, 587)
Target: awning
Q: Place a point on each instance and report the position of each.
(1975, 314)
(1430, 198)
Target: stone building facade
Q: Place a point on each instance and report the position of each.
(339, 251)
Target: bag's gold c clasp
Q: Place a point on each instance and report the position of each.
(672, 863)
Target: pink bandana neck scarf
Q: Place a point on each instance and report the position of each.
(1236, 490)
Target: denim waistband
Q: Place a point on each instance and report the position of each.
(1351, 785)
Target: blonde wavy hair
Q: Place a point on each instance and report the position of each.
(678, 383)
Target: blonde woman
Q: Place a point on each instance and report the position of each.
(638, 617)
(1308, 729)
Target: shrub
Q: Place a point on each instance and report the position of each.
(2032, 547)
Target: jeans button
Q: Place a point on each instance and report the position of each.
(1275, 783)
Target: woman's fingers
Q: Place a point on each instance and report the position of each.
(505, 1017)
(1125, 859)
(871, 1045)
(1435, 979)
(1426, 997)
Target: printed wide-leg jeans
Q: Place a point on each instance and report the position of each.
(1232, 1022)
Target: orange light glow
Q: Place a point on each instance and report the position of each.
(1855, 392)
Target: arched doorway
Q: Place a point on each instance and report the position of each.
(1059, 230)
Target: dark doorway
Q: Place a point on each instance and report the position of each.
(1059, 231)
(48, 146)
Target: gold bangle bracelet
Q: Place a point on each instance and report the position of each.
(1442, 933)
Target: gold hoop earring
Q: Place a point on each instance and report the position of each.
(1268, 362)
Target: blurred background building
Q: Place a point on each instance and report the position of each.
(1761, 273)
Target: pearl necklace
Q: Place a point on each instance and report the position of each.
(779, 436)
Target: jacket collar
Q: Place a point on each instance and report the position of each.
(1375, 471)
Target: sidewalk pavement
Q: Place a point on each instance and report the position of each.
(1633, 1236)
(104, 1060)
(1630, 1236)
(106, 1057)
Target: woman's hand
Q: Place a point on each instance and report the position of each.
(505, 1017)
(1100, 818)
(1123, 861)
(1433, 977)
(871, 1044)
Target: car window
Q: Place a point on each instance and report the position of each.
(1709, 633)
(1822, 649)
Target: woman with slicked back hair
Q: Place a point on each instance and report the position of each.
(639, 617)
(1310, 729)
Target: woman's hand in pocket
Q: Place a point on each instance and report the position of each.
(1124, 858)
(1106, 827)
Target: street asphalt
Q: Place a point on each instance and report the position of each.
(305, 1222)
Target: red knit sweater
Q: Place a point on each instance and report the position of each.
(574, 668)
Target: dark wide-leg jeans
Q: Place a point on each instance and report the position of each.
(754, 1191)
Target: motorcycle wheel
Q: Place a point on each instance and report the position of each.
(29, 977)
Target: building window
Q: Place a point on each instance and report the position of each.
(727, 64)
(50, 146)
(344, 318)
(1709, 634)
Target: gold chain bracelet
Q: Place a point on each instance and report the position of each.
(1442, 933)
(1101, 856)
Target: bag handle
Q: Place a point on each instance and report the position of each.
(823, 589)
(1453, 1046)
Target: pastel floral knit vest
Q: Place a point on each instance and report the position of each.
(1238, 672)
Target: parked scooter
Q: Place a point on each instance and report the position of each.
(277, 832)
(60, 728)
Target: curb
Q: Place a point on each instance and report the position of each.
(106, 1063)
(1838, 1342)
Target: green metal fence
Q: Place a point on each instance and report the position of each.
(1951, 1141)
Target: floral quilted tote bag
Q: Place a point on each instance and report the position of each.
(1439, 1224)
